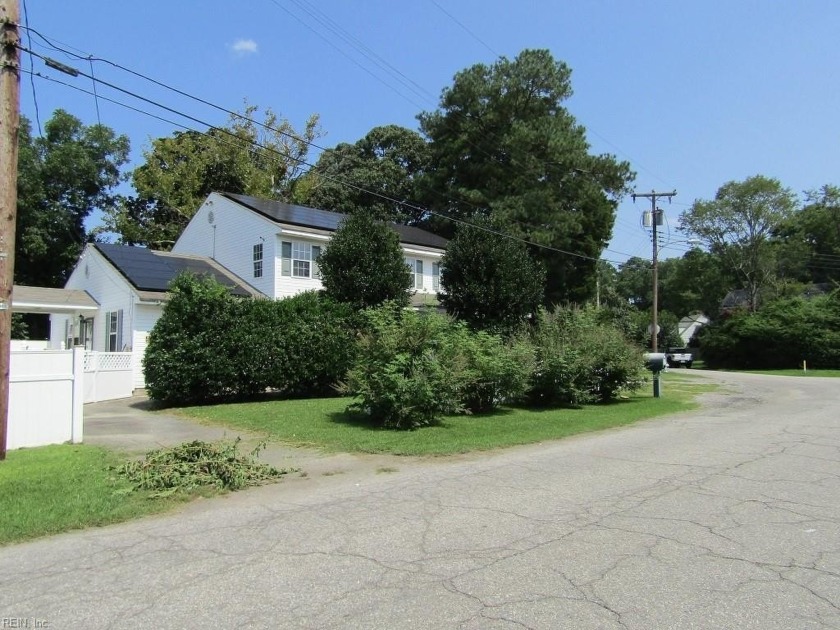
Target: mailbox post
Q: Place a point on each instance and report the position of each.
(656, 362)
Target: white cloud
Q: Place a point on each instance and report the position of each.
(244, 47)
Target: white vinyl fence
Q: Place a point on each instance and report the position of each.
(45, 397)
(108, 375)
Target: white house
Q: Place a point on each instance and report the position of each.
(690, 324)
(256, 247)
(129, 285)
(275, 246)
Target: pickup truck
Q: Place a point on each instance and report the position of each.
(679, 357)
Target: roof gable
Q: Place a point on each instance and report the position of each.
(150, 270)
(302, 216)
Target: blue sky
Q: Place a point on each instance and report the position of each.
(691, 94)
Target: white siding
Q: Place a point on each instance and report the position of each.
(145, 317)
(235, 229)
(428, 256)
(230, 240)
(95, 275)
(287, 286)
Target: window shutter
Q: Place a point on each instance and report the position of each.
(418, 279)
(286, 258)
(107, 345)
(316, 254)
(436, 276)
(119, 331)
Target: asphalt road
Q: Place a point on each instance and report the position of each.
(728, 517)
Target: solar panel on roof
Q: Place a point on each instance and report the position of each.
(326, 220)
(149, 270)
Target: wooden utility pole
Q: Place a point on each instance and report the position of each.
(9, 123)
(653, 196)
(654, 328)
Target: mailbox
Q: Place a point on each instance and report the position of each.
(655, 361)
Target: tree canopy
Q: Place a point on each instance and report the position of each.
(364, 265)
(503, 145)
(263, 159)
(490, 281)
(367, 175)
(63, 176)
(738, 225)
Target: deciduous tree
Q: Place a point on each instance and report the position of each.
(738, 225)
(263, 159)
(367, 175)
(63, 176)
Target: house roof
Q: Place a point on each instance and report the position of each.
(43, 300)
(150, 271)
(302, 216)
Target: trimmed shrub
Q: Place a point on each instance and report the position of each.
(309, 341)
(581, 360)
(187, 356)
(209, 345)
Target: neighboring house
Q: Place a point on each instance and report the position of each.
(256, 247)
(129, 287)
(690, 324)
(275, 246)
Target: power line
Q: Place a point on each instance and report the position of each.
(31, 67)
(330, 178)
(513, 163)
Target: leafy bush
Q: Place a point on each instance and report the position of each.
(306, 342)
(209, 345)
(581, 360)
(196, 464)
(403, 374)
(187, 357)
(412, 368)
(782, 334)
(495, 372)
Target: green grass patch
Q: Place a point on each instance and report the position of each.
(794, 372)
(53, 489)
(325, 424)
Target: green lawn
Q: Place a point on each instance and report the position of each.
(324, 423)
(831, 373)
(57, 488)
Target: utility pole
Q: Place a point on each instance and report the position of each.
(654, 329)
(9, 124)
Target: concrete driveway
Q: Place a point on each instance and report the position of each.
(728, 517)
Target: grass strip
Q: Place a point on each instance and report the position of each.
(53, 489)
(325, 424)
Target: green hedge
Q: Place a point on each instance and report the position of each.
(209, 345)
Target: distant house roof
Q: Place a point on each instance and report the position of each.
(43, 300)
(150, 271)
(737, 298)
(325, 220)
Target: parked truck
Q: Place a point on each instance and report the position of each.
(679, 357)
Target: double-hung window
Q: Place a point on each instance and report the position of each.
(436, 276)
(113, 331)
(300, 260)
(258, 260)
(415, 265)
